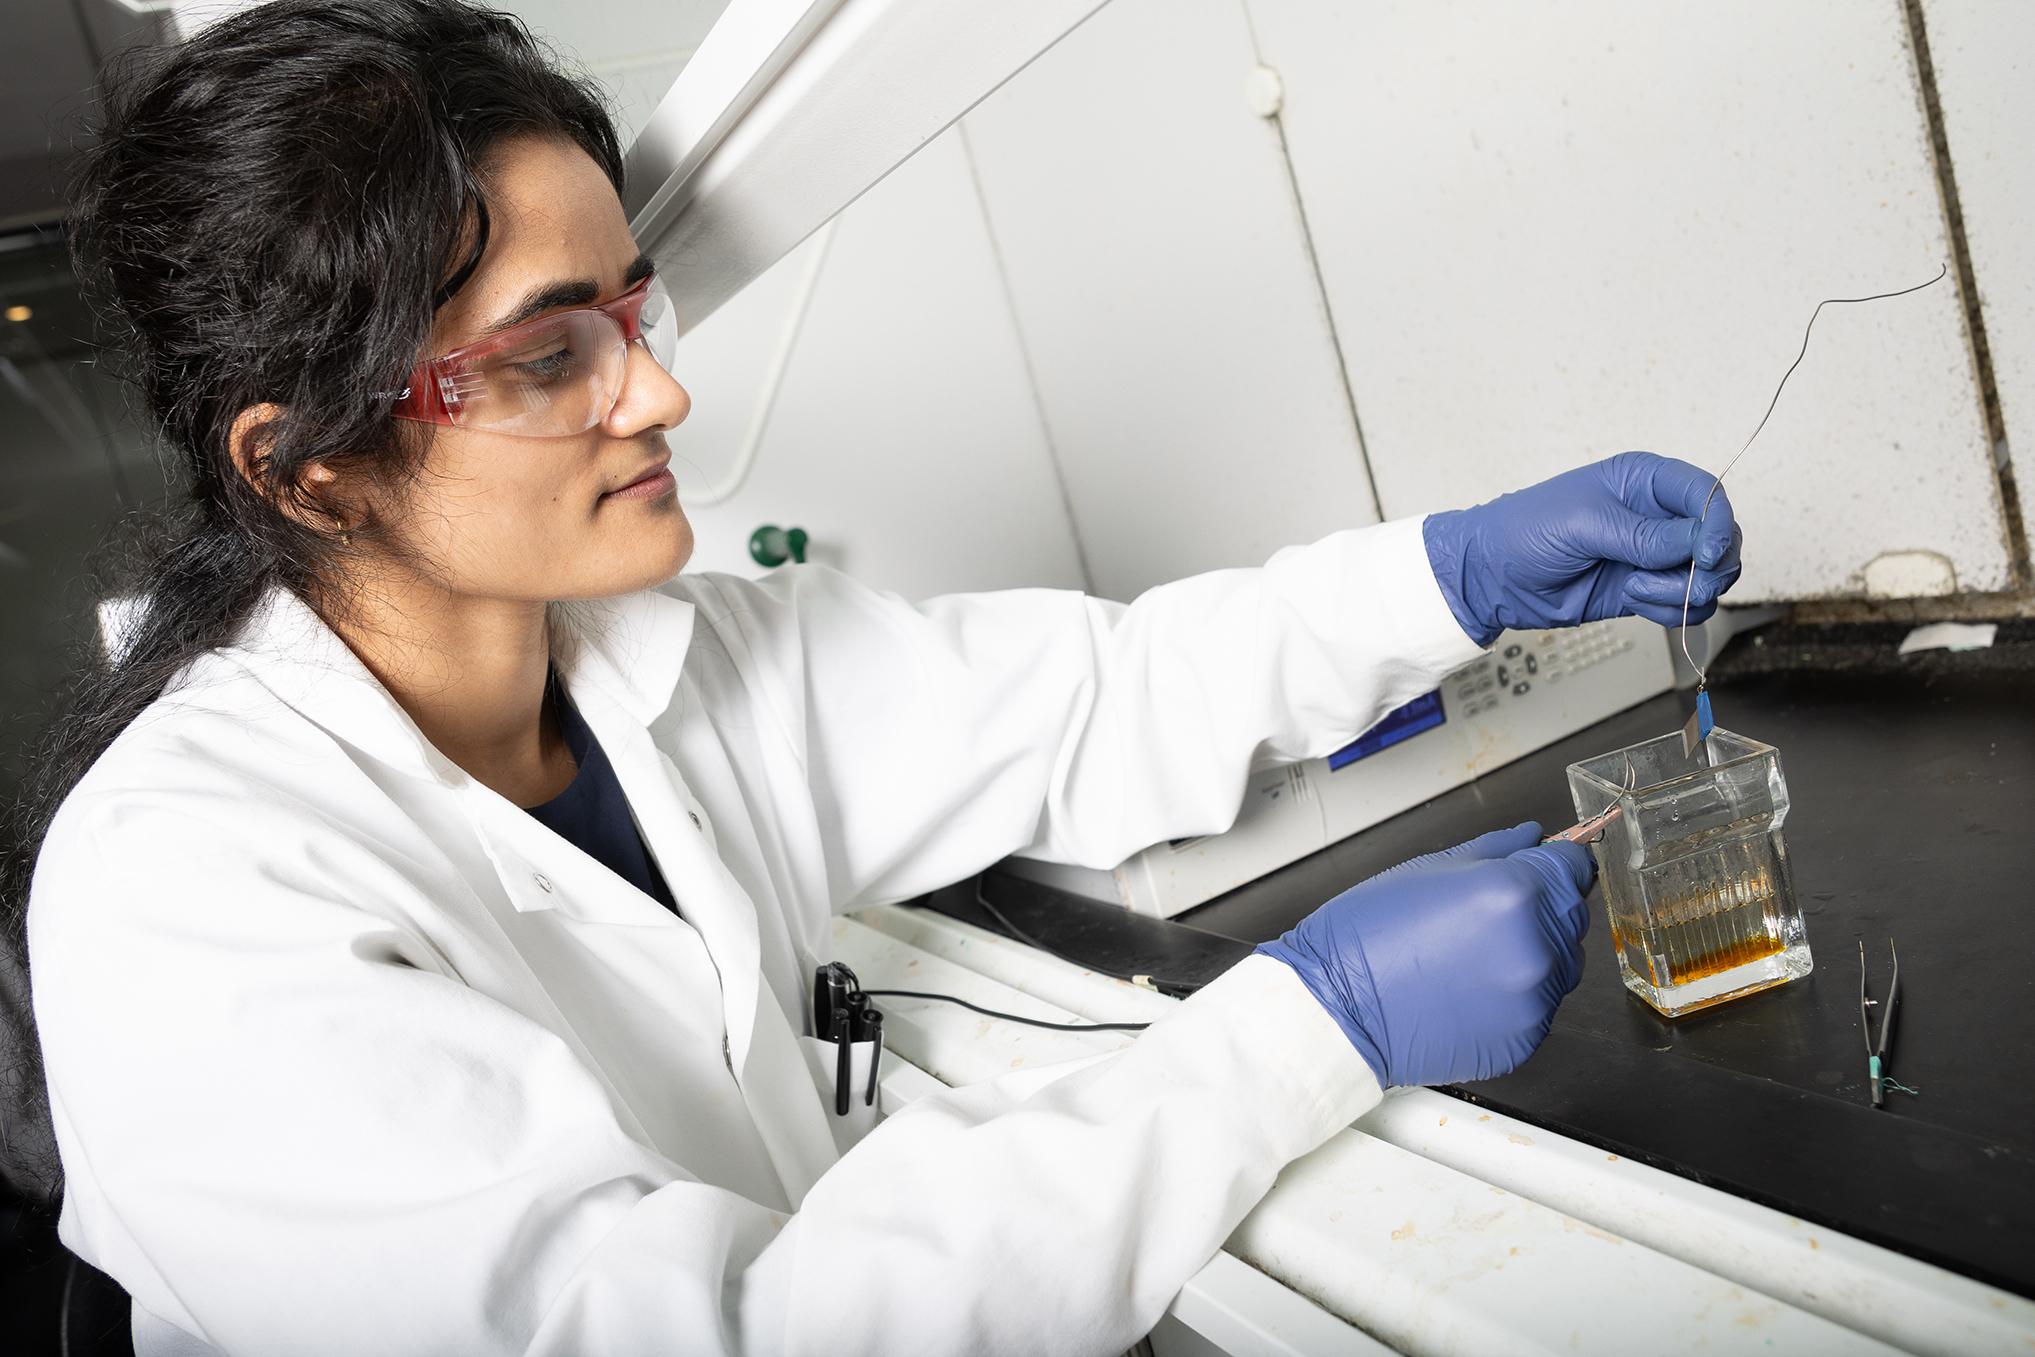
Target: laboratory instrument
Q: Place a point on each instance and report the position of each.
(1696, 880)
(1586, 831)
(1532, 689)
(1590, 830)
(1876, 1052)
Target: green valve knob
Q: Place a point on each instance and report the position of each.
(771, 545)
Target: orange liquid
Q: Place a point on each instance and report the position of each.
(1704, 932)
(1724, 958)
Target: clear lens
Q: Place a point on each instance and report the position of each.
(560, 378)
(659, 325)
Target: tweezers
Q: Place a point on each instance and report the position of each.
(1592, 829)
(1876, 1055)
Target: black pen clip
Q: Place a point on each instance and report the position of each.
(869, 1027)
(834, 989)
(843, 1015)
(843, 1037)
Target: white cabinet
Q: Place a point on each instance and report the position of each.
(1549, 232)
(904, 437)
(1117, 326)
(1159, 272)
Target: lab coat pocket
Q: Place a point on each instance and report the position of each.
(823, 1057)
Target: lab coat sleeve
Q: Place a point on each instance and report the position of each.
(940, 737)
(288, 1129)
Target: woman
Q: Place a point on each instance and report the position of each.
(422, 945)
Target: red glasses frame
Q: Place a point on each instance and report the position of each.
(433, 392)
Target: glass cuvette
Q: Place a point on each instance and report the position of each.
(1695, 871)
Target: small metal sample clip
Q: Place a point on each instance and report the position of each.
(1876, 1052)
(1700, 724)
(1590, 830)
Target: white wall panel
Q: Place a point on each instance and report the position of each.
(1553, 231)
(635, 48)
(905, 438)
(1158, 270)
(609, 32)
(634, 89)
(1984, 55)
(725, 362)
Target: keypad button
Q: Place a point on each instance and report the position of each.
(1520, 689)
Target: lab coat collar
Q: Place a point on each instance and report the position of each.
(630, 649)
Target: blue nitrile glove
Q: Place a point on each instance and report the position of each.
(1604, 540)
(1449, 967)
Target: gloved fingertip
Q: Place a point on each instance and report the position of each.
(1500, 843)
(1700, 611)
(1662, 614)
(1710, 587)
(1660, 588)
(1574, 860)
(1487, 847)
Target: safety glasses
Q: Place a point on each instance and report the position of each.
(558, 374)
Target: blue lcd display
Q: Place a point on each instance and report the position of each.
(1422, 713)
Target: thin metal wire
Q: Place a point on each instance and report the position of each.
(1689, 593)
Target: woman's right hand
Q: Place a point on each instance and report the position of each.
(1450, 967)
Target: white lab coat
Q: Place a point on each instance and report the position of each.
(348, 1054)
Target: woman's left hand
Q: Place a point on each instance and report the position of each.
(1607, 540)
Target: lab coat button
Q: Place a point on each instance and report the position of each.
(695, 819)
(543, 882)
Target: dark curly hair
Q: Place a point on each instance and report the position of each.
(269, 213)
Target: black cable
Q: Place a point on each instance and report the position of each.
(1175, 989)
(1009, 1017)
(1178, 989)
